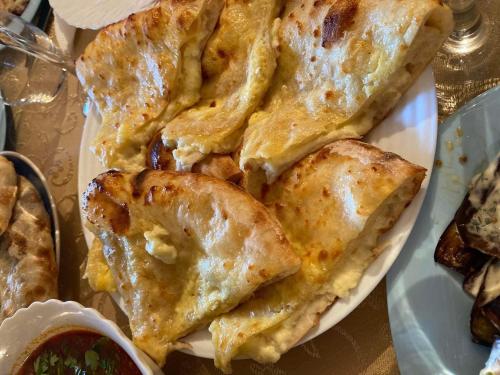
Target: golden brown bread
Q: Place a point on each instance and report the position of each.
(238, 64)
(143, 68)
(333, 206)
(183, 248)
(28, 269)
(343, 66)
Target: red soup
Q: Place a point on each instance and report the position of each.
(78, 352)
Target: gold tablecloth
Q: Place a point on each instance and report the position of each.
(361, 344)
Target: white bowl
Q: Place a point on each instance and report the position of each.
(28, 324)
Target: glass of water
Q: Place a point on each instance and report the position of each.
(32, 69)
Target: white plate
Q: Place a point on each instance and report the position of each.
(409, 131)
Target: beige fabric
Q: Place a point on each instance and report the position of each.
(343, 65)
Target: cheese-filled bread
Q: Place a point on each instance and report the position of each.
(238, 64)
(343, 66)
(145, 68)
(333, 206)
(183, 248)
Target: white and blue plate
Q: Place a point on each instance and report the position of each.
(428, 310)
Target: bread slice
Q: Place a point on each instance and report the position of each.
(183, 248)
(333, 205)
(142, 69)
(28, 268)
(238, 65)
(343, 66)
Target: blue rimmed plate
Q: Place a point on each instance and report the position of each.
(428, 310)
(3, 124)
(30, 10)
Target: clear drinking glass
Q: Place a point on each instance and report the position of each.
(32, 68)
(469, 61)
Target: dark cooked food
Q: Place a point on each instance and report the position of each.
(470, 245)
(452, 252)
(477, 217)
(482, 330)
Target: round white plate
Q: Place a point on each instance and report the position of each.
(409, 131)
(428, 310)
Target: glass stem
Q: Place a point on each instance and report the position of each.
(467, 18)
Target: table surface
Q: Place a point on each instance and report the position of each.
(361, 344)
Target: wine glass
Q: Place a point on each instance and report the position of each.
(32, 69)
(469, 61)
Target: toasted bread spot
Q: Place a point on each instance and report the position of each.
(159, 156)
(339, 18)
(323, 255)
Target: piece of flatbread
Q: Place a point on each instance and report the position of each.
(333, 205)
(28, 269)
(183, 248)
(8, 192)
(143, 68)
(343, 66)
(238, 64)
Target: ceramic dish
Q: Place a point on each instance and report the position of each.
(28, 324)
(30, 10)
(25, 167)
(3, 124)
(428, 310)
(410, 131)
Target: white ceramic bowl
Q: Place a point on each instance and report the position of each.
(28, 324)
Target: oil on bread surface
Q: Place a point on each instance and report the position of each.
(365, 190)
(183, 248)
(343, 65)
(28, 270)
(144, 70)
(238, 64)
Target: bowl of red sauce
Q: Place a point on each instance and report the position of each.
(57, 337)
